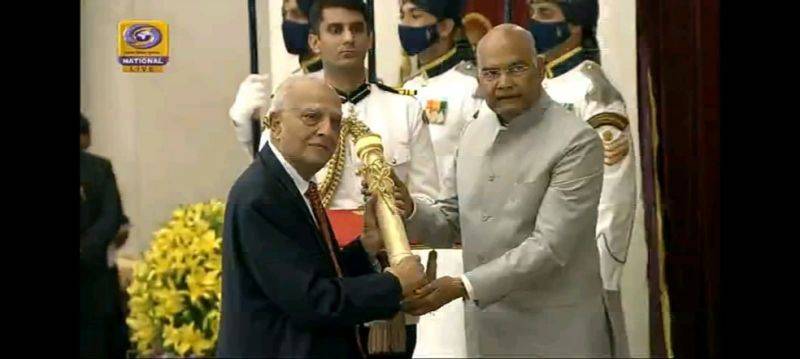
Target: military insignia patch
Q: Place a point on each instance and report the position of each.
(435, 111)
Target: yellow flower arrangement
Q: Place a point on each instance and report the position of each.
(176, 288)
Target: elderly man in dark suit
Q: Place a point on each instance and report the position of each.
(287, 289)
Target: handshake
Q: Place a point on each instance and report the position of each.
(423, 292)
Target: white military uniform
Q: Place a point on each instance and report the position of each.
(585, 91)
(446, 89)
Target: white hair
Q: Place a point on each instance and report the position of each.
(279, 96)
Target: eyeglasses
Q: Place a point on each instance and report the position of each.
(493, 74)
(308, 116)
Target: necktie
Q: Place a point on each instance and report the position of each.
(322, 222)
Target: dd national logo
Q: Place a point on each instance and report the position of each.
(143, 45)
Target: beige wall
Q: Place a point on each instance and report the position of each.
(388, 51)
(167, 134)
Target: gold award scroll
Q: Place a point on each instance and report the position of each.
(378, 176)
(384, 337)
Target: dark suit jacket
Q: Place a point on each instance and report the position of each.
(101, 213)
(102, 326)
(280, 293)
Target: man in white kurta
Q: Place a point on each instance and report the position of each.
(528, 181)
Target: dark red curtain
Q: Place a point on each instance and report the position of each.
(678, 61)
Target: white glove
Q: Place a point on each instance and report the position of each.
(253, 95)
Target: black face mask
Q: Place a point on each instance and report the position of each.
(548, 34)
(295, 37)
(417, 39)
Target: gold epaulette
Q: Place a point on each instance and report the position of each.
(397, 90)
(608, 119)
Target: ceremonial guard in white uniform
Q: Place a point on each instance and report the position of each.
(445, 85)
(564, 33)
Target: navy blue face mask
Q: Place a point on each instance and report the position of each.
(295, 37)
(548, 35)
(417, 39)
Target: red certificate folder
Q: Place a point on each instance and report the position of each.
(348, 224)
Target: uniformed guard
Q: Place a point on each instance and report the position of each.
(446, 83)
(564, 31)
(254, 90)
(295, 35)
